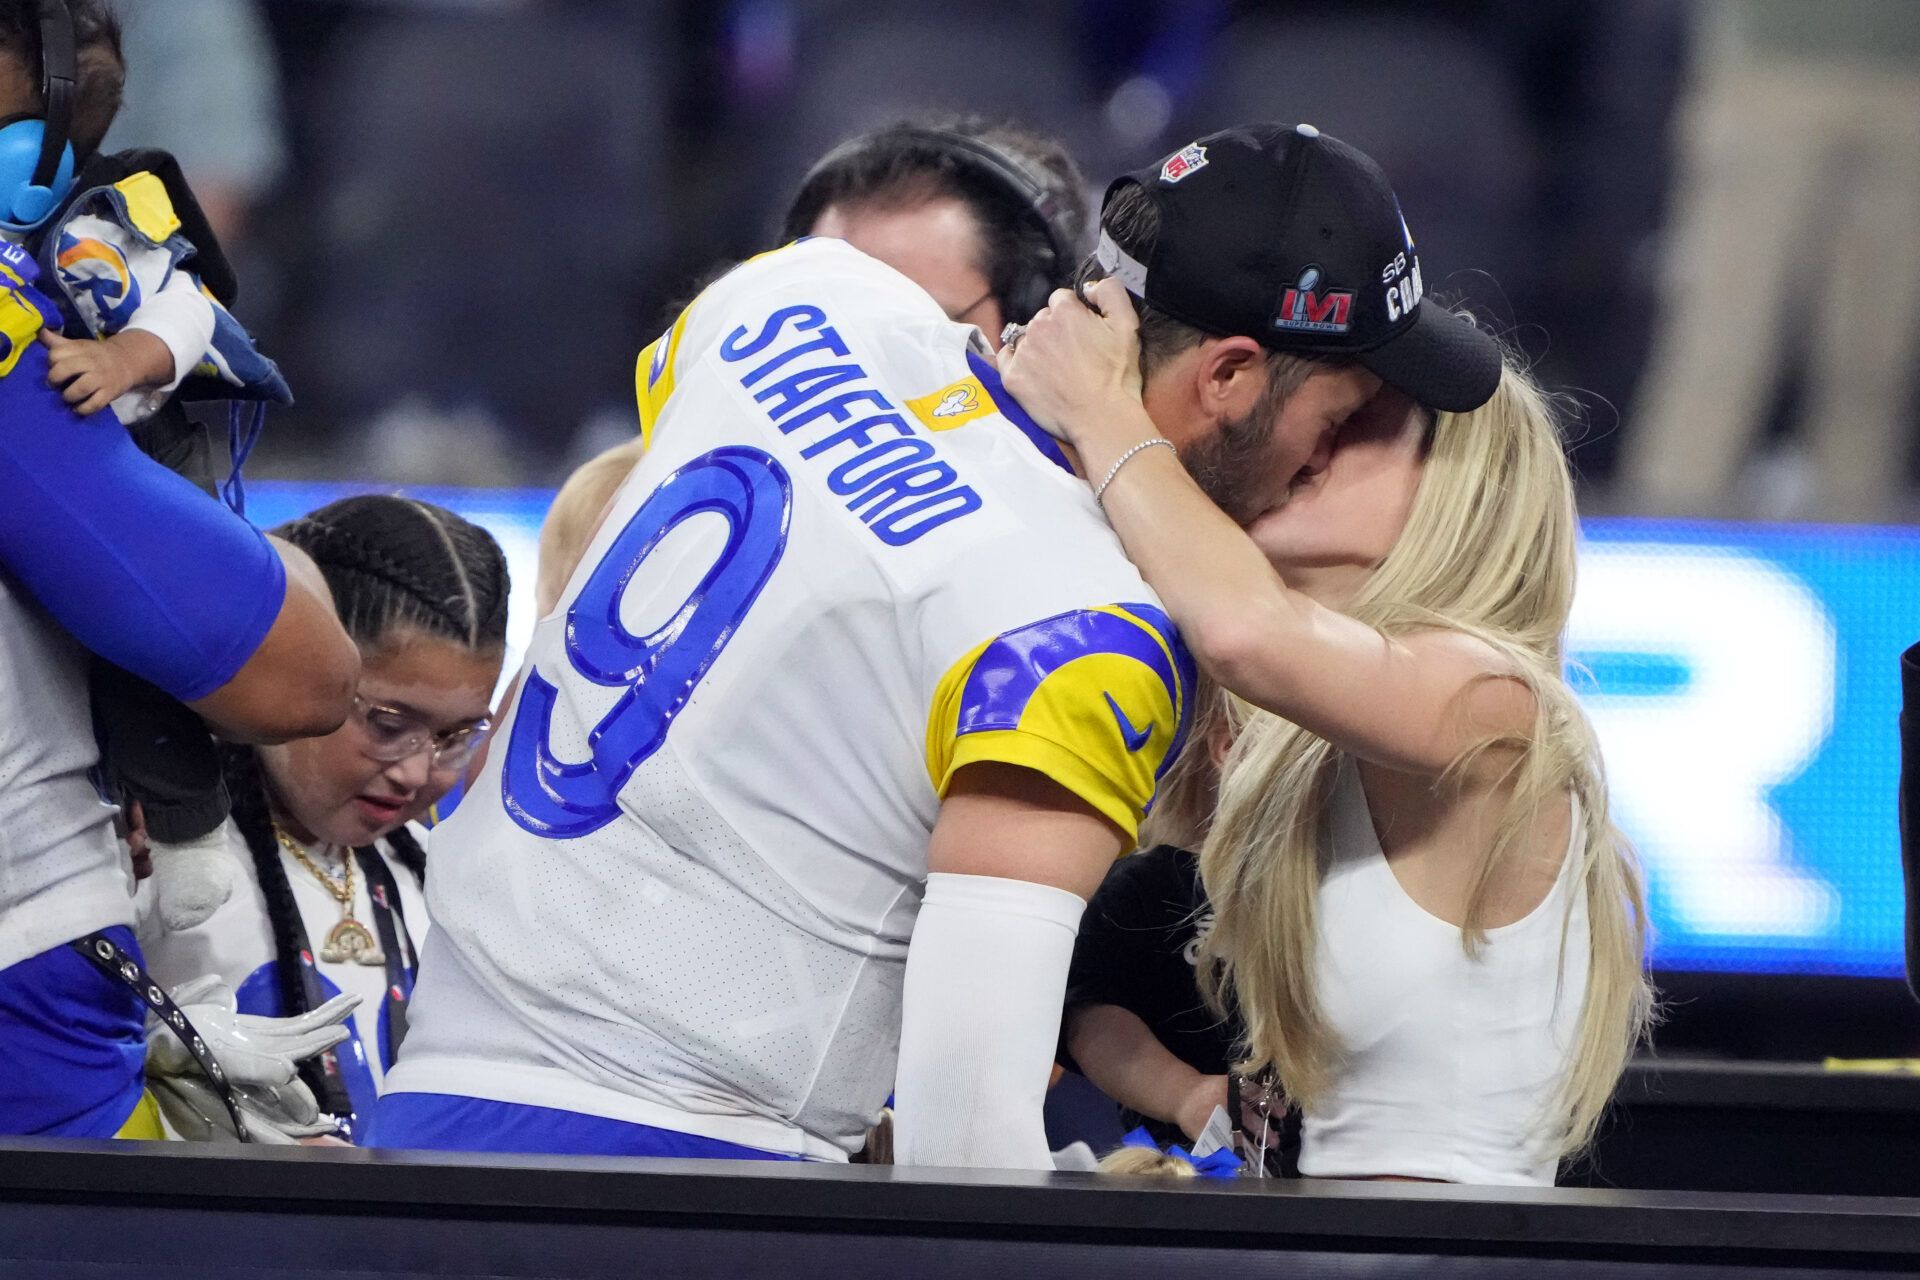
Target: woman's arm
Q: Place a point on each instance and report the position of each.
(1413, 703)
(1120, 1054)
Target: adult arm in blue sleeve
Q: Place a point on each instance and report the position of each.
(151, 574)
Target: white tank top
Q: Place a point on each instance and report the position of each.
(1451, 1062)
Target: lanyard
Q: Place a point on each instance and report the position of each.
(110, 958)
(333, 1091)
(391, 923)
(1281, 1160)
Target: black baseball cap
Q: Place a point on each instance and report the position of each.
(1285, 235)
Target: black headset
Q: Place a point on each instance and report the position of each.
(28, 196)
(1004, 173)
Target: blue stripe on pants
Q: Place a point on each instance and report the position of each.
(449, 1122)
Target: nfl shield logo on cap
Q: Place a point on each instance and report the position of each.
(1188, 159)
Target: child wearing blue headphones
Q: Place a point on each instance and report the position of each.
(117, 237)
(150, 337)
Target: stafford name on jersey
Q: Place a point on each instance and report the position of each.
(808, 385)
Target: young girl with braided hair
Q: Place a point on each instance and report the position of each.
(330, 896)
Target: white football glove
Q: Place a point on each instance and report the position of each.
(258, 1055)
(280, 1116)
(193, 880)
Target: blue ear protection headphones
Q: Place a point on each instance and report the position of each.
(36, 159)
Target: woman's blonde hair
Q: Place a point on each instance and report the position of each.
(1488, 550)
(574, 516)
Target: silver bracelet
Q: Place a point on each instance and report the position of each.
(1100, 490)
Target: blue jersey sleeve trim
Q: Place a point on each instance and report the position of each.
(133, 561)
(1010, 410)
(1186, 672)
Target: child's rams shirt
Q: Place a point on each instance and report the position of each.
(119, 263)
(120, 282)
(682, 890)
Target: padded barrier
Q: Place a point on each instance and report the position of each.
(167, 1210)
(1759, 1126)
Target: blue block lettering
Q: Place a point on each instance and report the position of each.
(803, 318)
(659, 671)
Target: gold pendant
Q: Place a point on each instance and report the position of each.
(350, 942)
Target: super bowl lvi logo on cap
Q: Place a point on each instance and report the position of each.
(1305, 310)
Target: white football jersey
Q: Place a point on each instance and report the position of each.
(681, 892)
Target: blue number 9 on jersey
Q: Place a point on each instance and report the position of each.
(659, 671)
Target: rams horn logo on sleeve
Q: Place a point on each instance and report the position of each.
(100, 272)
(953, 405)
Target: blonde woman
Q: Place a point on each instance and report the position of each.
(1423, 918)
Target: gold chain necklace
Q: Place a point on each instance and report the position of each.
(348, 942)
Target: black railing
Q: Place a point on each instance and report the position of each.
(110, 1210)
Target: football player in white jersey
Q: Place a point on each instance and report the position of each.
(843, 595)
(849, 706)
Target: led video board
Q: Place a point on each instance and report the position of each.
(1744, 681)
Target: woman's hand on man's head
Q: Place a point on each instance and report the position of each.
(1076, 366)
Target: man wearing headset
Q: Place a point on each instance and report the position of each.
(987, 218)
(103, 549)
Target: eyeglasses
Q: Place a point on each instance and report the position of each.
(390, 735)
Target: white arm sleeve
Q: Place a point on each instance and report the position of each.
(170, 304)
(180, 316)
(986, 978)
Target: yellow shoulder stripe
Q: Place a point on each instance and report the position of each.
(20, 325)
(654, 373)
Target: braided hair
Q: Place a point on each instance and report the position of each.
(394, 564)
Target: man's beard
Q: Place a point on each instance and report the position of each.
(1233, 467)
